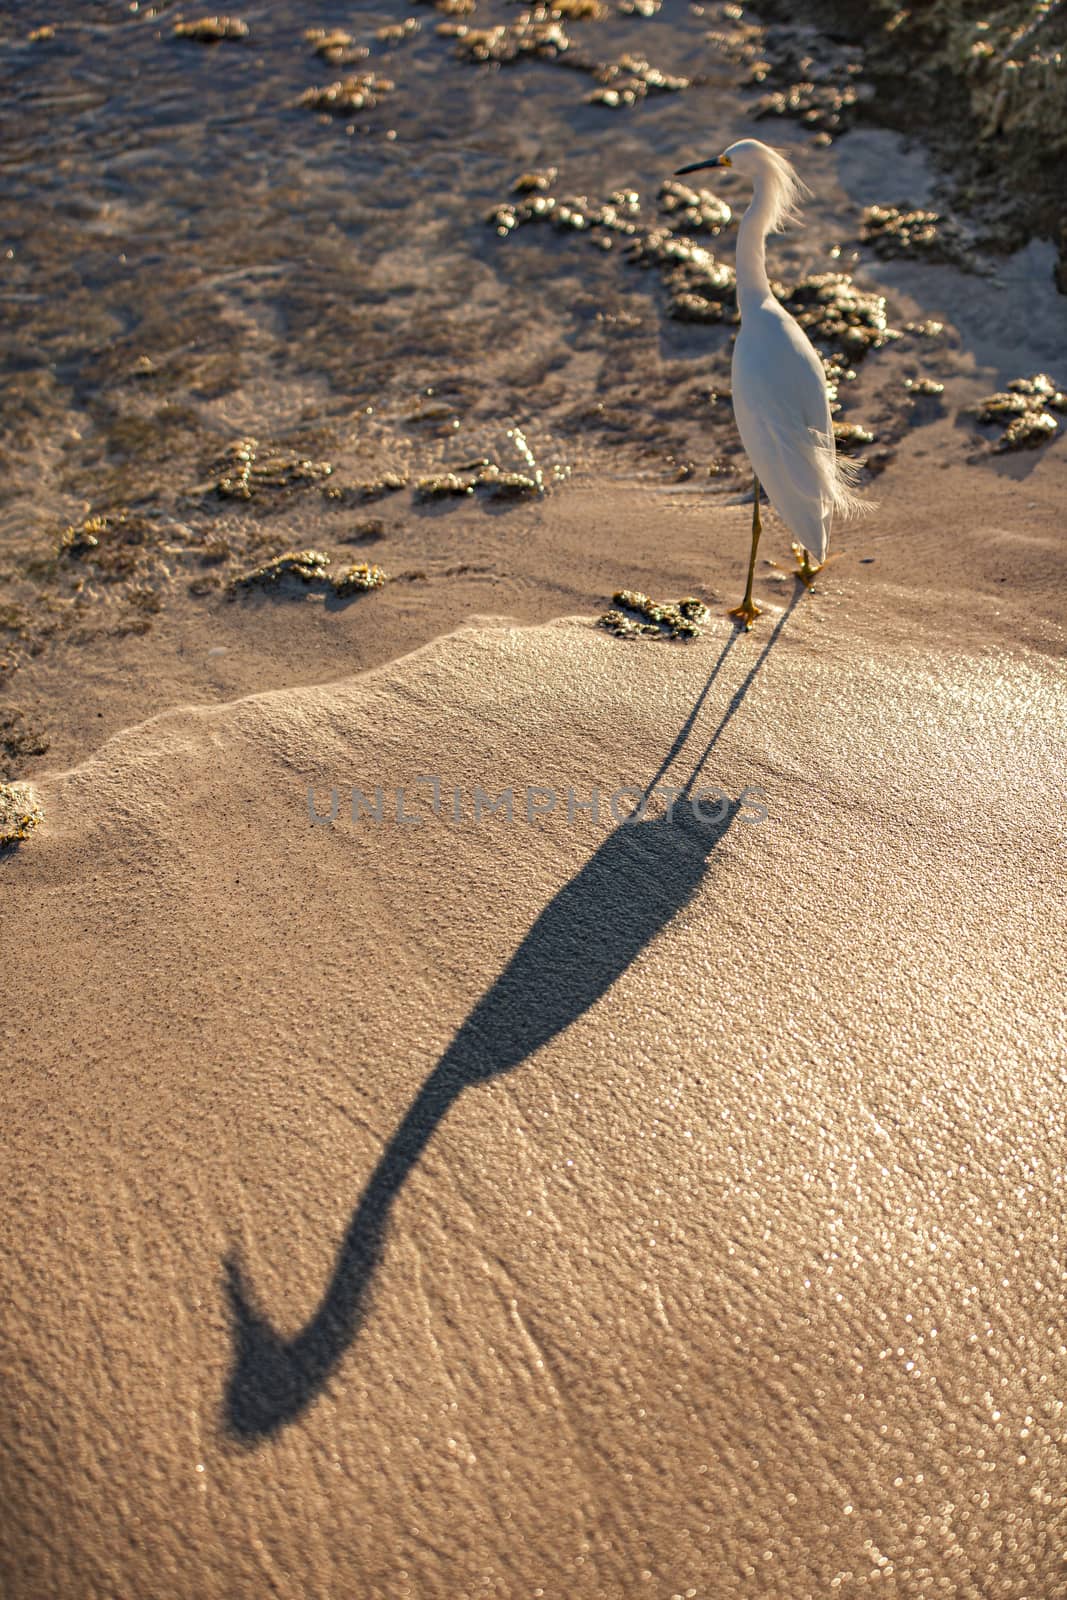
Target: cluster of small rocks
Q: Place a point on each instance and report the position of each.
(479, 475)
(699, 209)
(247, 469)
(1025, 411)
(210, 30)
(900, 231)
(311, 566)
(630, 79)
(669, 619)
(360, 91)
(336, 46)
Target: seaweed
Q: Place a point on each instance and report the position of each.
(307, 565)
(669, 619)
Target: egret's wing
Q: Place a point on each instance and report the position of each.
(783, 415)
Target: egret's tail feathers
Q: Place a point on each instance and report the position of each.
(841, 478)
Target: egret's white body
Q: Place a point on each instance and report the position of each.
(783, 416)
(781, 402)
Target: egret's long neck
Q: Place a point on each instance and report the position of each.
(752, 283)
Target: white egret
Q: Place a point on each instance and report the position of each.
(781, 403)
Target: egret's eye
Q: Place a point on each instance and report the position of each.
(725, 161)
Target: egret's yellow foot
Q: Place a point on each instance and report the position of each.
(746, 613)
(808, 569)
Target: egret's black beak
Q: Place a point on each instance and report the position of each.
(698, 166)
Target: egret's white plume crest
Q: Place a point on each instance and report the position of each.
(781, 190)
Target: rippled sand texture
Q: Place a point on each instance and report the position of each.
(567, 1208)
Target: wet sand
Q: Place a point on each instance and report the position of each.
(500, 1208)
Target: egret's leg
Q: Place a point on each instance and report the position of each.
(748, 610)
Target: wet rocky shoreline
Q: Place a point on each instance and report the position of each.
(261, 281)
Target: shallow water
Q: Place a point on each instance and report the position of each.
(190, 253)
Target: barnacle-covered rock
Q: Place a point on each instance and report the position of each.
(700, 287)
(444, 485)
(358, 578)
(1028, 431)
(209, 30)
(578, 10)
(624, 627)
(112, 541)
(824, 106)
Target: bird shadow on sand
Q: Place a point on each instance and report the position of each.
(627, 892)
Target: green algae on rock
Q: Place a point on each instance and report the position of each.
(210, 30)
(359, 578)
(851, 433)
(396, 32)
(487, 476)
(630, 79)
(1024, 410)
(837, 313)
(536, 33)
(307, 565)
(897, 231)
(361, 493)
(336, 46)
(114, 543)
(248, 468)
(699, 209)
(19, 813)
(537, 179)
(670, 619)
(360, 91)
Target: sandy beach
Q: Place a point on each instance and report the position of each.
(493, 1110)
(563, 1207)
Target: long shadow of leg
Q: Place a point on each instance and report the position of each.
(585, 938)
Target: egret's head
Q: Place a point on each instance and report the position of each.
(768, 169)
